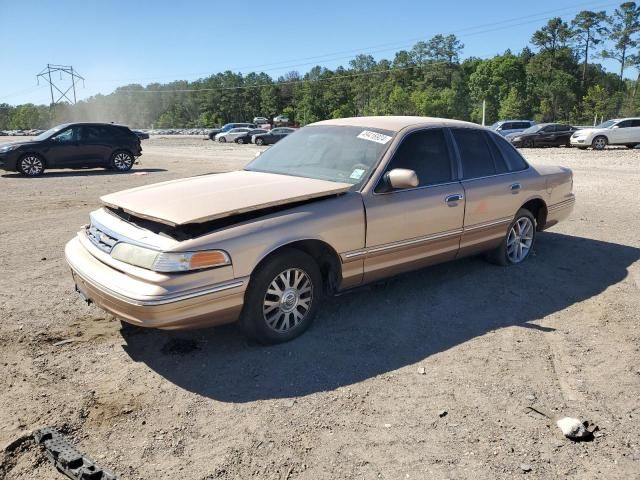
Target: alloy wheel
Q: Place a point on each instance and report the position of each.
(288, 300)
(599, 143)
(520, 240)
(122, 161)
(31, 165)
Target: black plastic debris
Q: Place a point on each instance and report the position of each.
(67, 459)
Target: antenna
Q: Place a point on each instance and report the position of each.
(45, 74)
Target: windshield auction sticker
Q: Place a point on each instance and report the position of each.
(374, 137)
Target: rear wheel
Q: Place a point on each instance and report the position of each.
(222, 139)
(599, 143)
(282, 298)
(31, 165)
(518, 242)
(240, 140)
(259, 141)
(528, 143)
(121, 161)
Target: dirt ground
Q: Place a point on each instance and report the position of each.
(363, 394)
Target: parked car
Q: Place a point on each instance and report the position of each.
(246, 138)
(619, 131)
(231, 135)
(272, 136)
(339, 204)
(73, 145)
(543, 135)
(260, 120)
(506, 127)
(227, 127)
(281, 120)
(141, 135)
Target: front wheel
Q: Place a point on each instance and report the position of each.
(222, 139)
(240, 140)
(282, 298)
(31, 165)
(122, 161)
(599, 143)
(528, 143)
(259, 141)
(518, 242)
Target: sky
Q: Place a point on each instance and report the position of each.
(113, 42)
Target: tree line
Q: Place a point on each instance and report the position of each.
(558, 78)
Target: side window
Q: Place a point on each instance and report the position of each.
(474, 153)
(426, 153)
(624, 124)
(635, 123)
(66, 136)
(507, 126)
(514, 160)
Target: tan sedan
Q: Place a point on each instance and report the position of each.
(335, 205)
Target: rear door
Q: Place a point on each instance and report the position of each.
(414, 227)
(493, 188)
(96, 145)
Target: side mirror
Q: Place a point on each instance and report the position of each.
(401, 178)
(616, 126)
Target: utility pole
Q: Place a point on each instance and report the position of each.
(64, 71)
(484, 109)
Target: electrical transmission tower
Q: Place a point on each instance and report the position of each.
(64, 72)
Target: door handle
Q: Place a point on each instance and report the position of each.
(456, 197)
(515, 187)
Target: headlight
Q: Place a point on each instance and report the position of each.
(8, 148)
(516, 139)
(169, 261)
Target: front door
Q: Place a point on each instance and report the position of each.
(62, 150)
(414, 227)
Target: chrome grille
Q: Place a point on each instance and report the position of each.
(100, 239)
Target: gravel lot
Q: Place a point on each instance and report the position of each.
(363, 394)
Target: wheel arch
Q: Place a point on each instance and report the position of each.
(321, 252)
(33, 152)
(538, 208)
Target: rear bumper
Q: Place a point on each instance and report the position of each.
(560, 211)
(125, 298)
(8, 161)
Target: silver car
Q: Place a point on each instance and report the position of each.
(505, 127)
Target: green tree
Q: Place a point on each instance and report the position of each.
(587, 30)
(624, 25)
(555, 34)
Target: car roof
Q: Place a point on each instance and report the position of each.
(64, 125)
(395, 123)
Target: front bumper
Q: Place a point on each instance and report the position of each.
(579, 142)
(142, 303)
(8, 160)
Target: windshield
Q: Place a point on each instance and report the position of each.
(49, 133)
(495, 126)
(326, 152)
(606, 124)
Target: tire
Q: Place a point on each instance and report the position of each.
(240, 140)
(121, 161)
(528, 143)
(508, 252)
(599, 142)
(222, 139)
(259, 141)
(31, 165)
(282, 298)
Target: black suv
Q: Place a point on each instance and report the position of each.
(73, 145)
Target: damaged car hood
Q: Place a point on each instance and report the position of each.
(209, 197)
